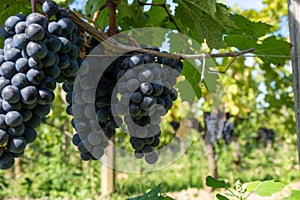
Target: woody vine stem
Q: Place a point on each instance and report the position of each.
(114, 46)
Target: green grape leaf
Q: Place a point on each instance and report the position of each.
(192, 75)
(202, 21)
(221, 197)
(212, 182)
(246, 34)
(273, 46)
(186, 91)
(249, 28)
(295, 195)
(130, 16)
(240, 41)
(154, 194)
(267, 188)
(252, 186)
(93, 6)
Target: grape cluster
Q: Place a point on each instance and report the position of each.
(37, 53)
(136, 89)
(146, 88)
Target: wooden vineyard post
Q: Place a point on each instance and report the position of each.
(108, 172)
(294, 25)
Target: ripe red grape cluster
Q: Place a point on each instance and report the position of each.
(37, 53)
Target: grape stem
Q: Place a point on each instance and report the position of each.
(164, 6)
(33, 5)
(112, 7)
(113, 46)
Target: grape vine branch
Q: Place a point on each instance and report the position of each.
(113, 46)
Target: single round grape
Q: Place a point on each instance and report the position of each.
(146, 88)
(66, 24)
(50, 7)
(16, 131)
(76, 139)
(7, 69)
(17, 145)
(6, 160)
(36, 18)
(13, 118)
(19, 80)
(20, 27)
(157, 89)
(35, 76)
(141, 132)
(137, 143)
(44, 97)
(87, 83)
(29, 95)
(34, 32)
(94, 138)
(20, 41)
(72, 69)
(138, 154)
(10, 94)
(12, 54)
(29, 135)
(147, 102)
(36, 50)
(21, 65)
(151, 158)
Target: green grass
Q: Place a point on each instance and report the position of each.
(55, 178)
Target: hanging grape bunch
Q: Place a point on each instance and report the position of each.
(143, 93)
(37, 53)
(146, 93)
